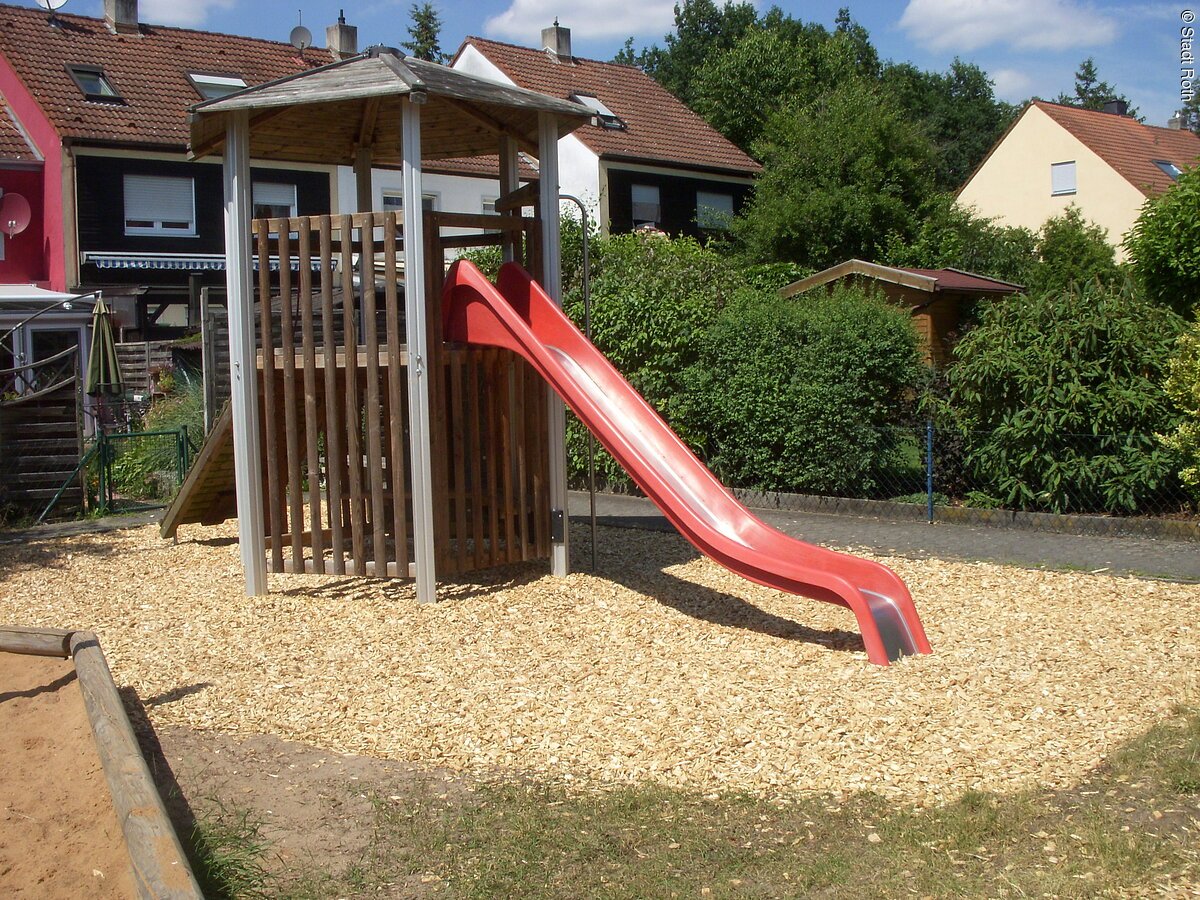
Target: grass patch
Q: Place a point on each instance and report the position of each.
(229, 854)
(1130, 827)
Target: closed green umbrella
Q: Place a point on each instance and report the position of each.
(104, 372)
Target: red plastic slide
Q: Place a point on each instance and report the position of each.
(517, 314)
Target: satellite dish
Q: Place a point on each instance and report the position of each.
(51, 5)
(14, 213)
(301, 38)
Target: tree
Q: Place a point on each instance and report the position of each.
(959, 110)
(1060, 395)
(952, 237)
(702, 30)
(1072, 251)
(1183, 387)
(1164, 245)
(1091, 92)
(425, 33)
(625, 56)
(839, 174)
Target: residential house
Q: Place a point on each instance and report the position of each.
(102, 106)
(645, 159)
(940, 300)
(1103, 162)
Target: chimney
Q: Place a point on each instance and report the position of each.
(557, 40)
(121, 16)
(1116, 107)
(1175, 123)
(342, 39)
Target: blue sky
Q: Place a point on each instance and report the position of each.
(1027, 46)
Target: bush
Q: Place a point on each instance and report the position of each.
(1059, 396)
(147, 468)
(1183, 387)
(1072, 251)
(795, 395)
(1164, 245)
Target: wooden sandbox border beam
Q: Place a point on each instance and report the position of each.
(160, 868)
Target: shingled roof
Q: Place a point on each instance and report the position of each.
(149, 70)
(1127, 145)
(14, 142)
(658, 127)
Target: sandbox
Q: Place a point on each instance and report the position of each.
(80, 815)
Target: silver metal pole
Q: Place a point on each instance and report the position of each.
(587, 330)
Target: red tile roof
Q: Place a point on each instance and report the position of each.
(148, 69)
(1127, 145)
(14, 143)
(659, 128)
(478, 167)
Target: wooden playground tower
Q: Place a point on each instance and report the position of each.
(362, 443)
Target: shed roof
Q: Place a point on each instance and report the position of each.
(928, 280)
(324, 115)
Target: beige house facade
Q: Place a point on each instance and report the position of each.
(1054, 157)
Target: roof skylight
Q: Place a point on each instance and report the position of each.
(95, 84)
(1172, 170)
(210, 87)
(606, 118)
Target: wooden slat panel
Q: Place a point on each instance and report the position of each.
(372, 411)
(274, 499)
(438, 419)
(311, 437)
(539, 421)
(477, 449)
(521, 414)
(397, 388)
(458, 438)
(494, 460)
(353, 412)
(508, 457)
(291, 398)
(335, 459)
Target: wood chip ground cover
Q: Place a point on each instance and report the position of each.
(661, 666)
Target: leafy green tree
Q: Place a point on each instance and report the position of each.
(839, 175)
(625, 56)
(952, 237)
(1060, 395)
(959, 110)
(797, 395)
(1091, 92)
(702, 30)
(1183, 387)
(1071, 250)
(1164, 245)
(424, 33)
(866, 58)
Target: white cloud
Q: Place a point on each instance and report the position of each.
(965, 25)
(1012, 84)
(188, 13)
(524, 20)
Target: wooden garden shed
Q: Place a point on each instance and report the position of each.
(362, 443)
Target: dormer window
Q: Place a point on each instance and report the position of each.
(1169, 169)
(605, 117)
(211, 87)
(95, 84)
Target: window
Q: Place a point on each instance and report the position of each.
(273, 201)
(155, 204)
(393, 201)
(646, 207)
(1062, 178)
(713, 211)
(210, 87)
(95, 84)
(1172, 170)
(489, 205)
(605, 117)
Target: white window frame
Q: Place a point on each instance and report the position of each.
(487, 201)
(258, 191)
(398, 194)
(1063, 178)
(634, 203)
(708, 215)
(159, 226)
(224, 85)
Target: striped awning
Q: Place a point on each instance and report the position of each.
(187, 262)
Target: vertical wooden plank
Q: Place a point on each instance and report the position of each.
(274, 500)
(458, 448)
(294, 486)
(311, 441)
(539, 463)
(495, 459)
(439, 434)
(521, 415)
(335, 459)
(372, 411)
(353, 410)
(396, 384)
(477, 444)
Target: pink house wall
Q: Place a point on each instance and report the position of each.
(45, 237)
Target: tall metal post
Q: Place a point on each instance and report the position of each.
(552, 281)
(247, 450)
(418, 350)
